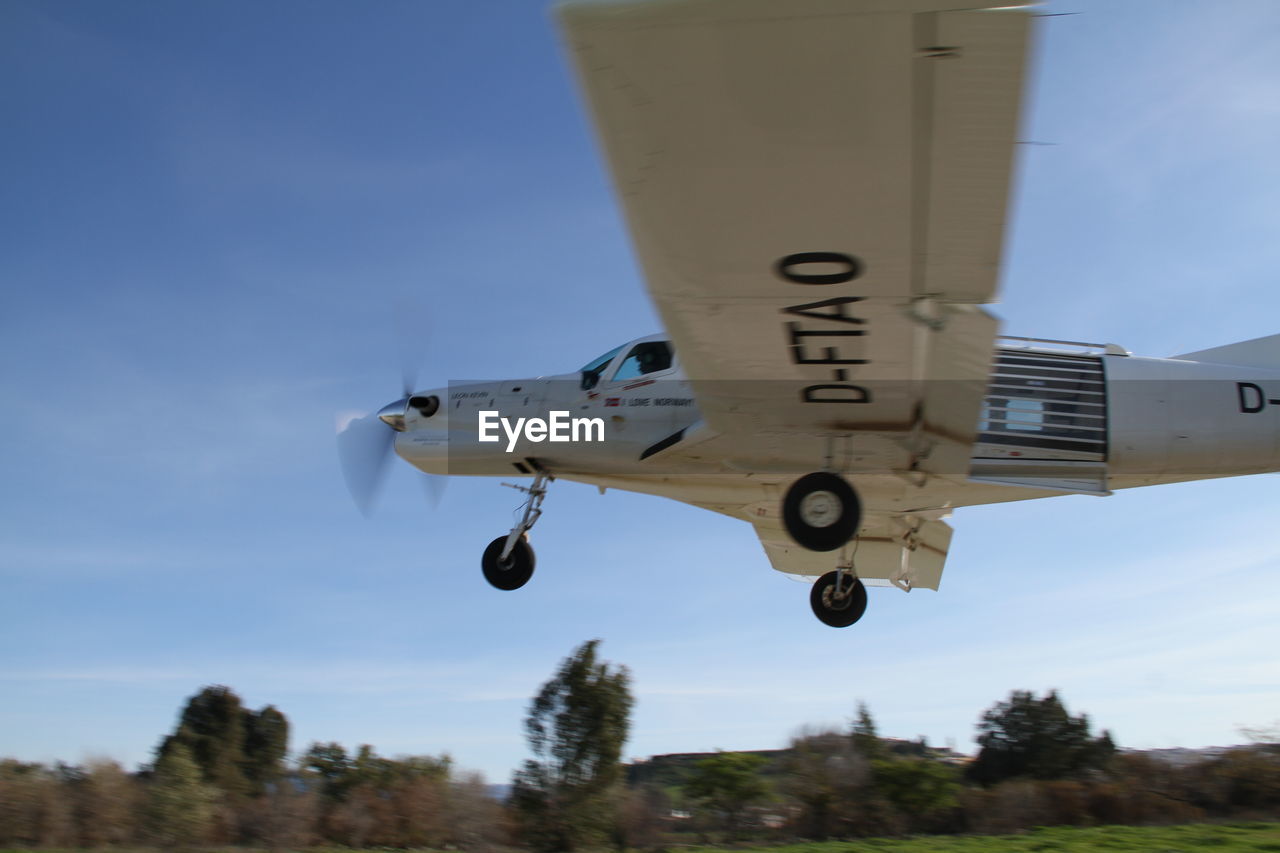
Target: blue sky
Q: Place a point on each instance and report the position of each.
(210, 212)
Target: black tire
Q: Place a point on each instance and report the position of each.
(840, 526)
(836, 612)
(512, 573)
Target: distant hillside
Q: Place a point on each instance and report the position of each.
(672, 770)
(1184, 756)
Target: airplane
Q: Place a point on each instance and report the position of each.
(816, 191)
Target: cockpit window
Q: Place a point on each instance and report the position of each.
(592, 370)
(645, 358)
(598, 364)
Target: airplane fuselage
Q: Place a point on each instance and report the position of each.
(1051, 421)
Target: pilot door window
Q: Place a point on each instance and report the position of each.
(646, 358)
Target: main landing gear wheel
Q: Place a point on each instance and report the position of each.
(511, 573)
(838, 599)
(821, 511)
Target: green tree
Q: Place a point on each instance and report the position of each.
(179, 805)
(727, 784)
(864, 735)
(329, 761)
(567, 796)
(266, 742)
(917, 787)
(211, 729)
(1037, 738)
(370, 800)
(238, 751)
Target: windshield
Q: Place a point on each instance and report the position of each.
(591, 370)
(597, 365)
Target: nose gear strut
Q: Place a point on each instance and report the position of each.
(509, 560)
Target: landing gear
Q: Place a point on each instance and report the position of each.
(838, 598)
(511, 572)
(509, 560)
(821, 511)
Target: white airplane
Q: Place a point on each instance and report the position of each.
(816, 191)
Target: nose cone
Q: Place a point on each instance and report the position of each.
(392, 414)
(423, 406)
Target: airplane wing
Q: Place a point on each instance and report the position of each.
(816, 192)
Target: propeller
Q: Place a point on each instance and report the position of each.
(412, 337)
(434, 486)
(364, 449)
(366, 442)
(365, 446)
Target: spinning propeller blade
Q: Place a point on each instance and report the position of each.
(365, 442)
(412, 340)
(434, 485)
(364, 449)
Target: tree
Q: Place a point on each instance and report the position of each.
(266, 742)
(286, 817)
(824, 773)
(917, 787)
(726, 784)
(1037, 738)
(211, 729)
(568, 794)
(34, 808)
(238, 751)
(105, 804)
(179, 805)
(369, 800)
(864, 735)
(476, 821)
(645, 815)
(329, 761)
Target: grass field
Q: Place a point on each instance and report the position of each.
(1225, 838)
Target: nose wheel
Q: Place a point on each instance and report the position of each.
(510, 572)
(838, 599)
(509, 560)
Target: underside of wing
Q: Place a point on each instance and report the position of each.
(816, 191)
(907, 548)
(903, 552)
